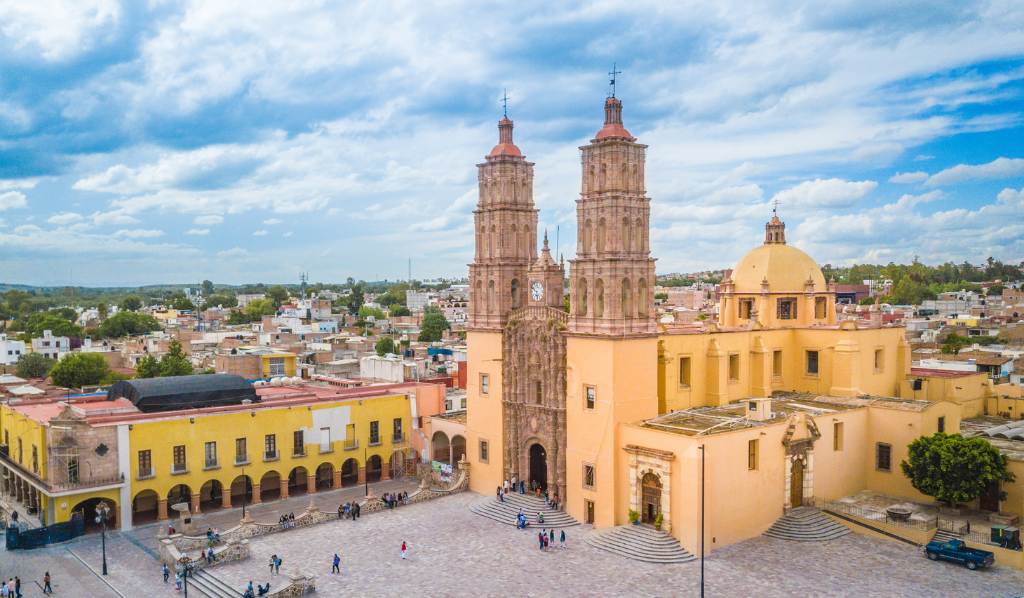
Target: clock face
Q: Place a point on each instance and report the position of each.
(537, 290)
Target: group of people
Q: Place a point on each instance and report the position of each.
(546, 539)
(259, 590)
(516, 485)
(275, 565)
(287, 520)
(349, 510)
(393, 499)
(212, 536)
(12, 587)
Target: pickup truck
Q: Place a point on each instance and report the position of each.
(957, 551)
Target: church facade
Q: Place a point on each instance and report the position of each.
(590, 397)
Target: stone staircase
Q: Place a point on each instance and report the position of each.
(506, 512)
(206, 584)
(806, 524)
(640, 543)
(945, 536)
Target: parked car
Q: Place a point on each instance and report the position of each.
(957, 551)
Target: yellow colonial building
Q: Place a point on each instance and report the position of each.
(778, 402)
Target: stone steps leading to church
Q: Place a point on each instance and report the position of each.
(806, 524)
(640, 543)
(506, 512)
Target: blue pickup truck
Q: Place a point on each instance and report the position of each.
(957, 551)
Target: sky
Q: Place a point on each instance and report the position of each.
(171, 142)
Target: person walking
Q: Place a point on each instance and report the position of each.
(17, 586)
(561, 540)
(405, 550)
(273, 561)
(165, 571)
(336, 567)
(47, 588)
(552, 537)
(277, 566)
(4, 592)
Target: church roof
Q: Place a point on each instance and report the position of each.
(505, 145)
(786, 268)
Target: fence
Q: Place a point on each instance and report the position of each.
(18, 539)
(881, 516)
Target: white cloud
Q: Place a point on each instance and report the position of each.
(113, 217)
(234, 252)
(55, 31)
(198, 232)
(259, 233)
(208, 219)
(18, 184)
(1000, 168)
(825, 193)
(272, 221)
(64, 218)
(27, 229)
(908, 177)
(12, 199)
(139, 233)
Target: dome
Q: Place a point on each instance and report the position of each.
(786, 268)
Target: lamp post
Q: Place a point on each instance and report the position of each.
(245, 491)
(102, 511)
(366, 479)
(701, 521)
(186, 569)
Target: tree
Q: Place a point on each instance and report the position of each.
(222, 300)
(366, 311)
(433, 325)
(147, 367)
(127, 323)
(278, 294)
(131, 303)
(34, 325)
(180, 302)
(255, 310)
(33, 365)
(954, 469)
(175, 362)
(355, 299)
(80, 369)
(102, 309)
(385, 345)
(207, 288)
(995, 290)
(866, 301)
(395, 310)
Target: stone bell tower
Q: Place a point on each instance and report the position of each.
(506, 234)
(547, 279)
(613, 273)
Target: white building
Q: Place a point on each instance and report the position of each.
(417, 300)
(247, 298)
(51, 347)
(10, 350)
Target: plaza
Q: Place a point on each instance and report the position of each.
(454, 552)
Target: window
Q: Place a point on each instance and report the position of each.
(483, 451)
(746, 308)
(485, 384)
(298, 443)
(179, 459)
(396, 430)
(752, 454)
(538, 392)
(820, 308)
(591, 396)
(734, 367)
(35, 458)
(879, 360)
(325, 440)
(374, 432)
(786, 309)
(684, 371)
(211, 454)
(351, 441)
(241, 451)
(72, 470)
(942, 423)
(21, 453)
(276, 366)
(883, 457)
(270, 446)
(777, 363)
(837, 436)
(812, 363)
(588, 475)
(145, 464)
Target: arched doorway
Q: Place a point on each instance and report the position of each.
(241, 491)
(442, 447)
(373, 468)
(87, 510)
(270, 486)
(796, 483)
(210, 495)
(179, 494)
(458, 448)
(297, 481)
(324, 476)
(650, 501)
(539, 466)
(349, 473)
(396, 465)
(144, 507)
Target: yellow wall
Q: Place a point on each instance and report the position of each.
(839, 473)
(64, 506)
(31, 433)
(899, 428)
(967, 391)
(485, 412)
(289, 363)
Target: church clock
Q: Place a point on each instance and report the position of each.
(537, 290)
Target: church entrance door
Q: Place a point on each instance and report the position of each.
(651, 497)
(796, 484)
(539, 465)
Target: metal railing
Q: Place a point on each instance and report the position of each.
(880, 516)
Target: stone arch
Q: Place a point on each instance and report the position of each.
(458, 448)
(627, 236)
(241, 491)
(588, 236)
(650, 497)
(581, 300)
(490, 297)
(638, 237)
(601, 233)
(179, 493)
(145, 507)
(515, 239)
(324, 476)
(490, 240)
(514, 290)
(799, 486)
(396, 465)
(537, 467)
(627, 299)
(270, 486)
(624, 176)
(599, 298)
(441, 447)
(87, 510)
(298, 481)
(211, 495)
(349, 472)
(641, 298)
(374, 468)
(478, 297)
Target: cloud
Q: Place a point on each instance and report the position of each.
(908, 177)
(287, 234)
(208, 219)
(10, 200)
(64, 218)
(33, 28)
(259, 233)
(1000, 168)
(139, 233)
(198, 232)
(234, 252)
(272, 221)
(113, 217)
(824, 193)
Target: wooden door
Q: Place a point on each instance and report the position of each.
(796, 484)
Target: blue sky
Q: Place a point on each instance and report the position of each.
(250, 141)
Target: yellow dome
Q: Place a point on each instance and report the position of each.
(786, 268)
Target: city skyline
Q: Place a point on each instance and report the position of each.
(239, 144)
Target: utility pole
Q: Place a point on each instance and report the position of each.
(701, 521)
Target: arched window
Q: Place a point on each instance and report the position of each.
(490, 298)
(581, 301)
(639, 236)
(624, 177)
(641, 298)
(515, 240)
(593, 178)
(600, 234)
(490, 240)
(588, 236)
(526, 240)
(599, 298)
(627, 237)
(478, 297)
(604, 176)
(515, 293)
(627, 299)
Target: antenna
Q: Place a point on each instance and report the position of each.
(775, 207)
(558, 229)
(611, 78)
(504, 102)
(303, 280)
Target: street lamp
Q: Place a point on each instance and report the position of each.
(186, 569)
(102, 511)
(366, 479)
(701, 447)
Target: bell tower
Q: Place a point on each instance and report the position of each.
(546, 278)
(506, 234)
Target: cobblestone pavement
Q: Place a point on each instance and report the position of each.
(453, 552)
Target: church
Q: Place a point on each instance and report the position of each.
(778, 404)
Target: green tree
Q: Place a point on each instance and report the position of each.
(995, 290)
(222, 300)
(80, 369)
(954, 469)
(33, 365)
(395, 310)
(355, 299)
(102, 309)
(366, 311)
(207, 288)
(175, 362)
(278, 294)
(34, 325)
(433, 325)
(131, 303)
(128, 323)
(867, 301)
(180, 302)
(258, 308)
(147, 367)
(385, 345)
